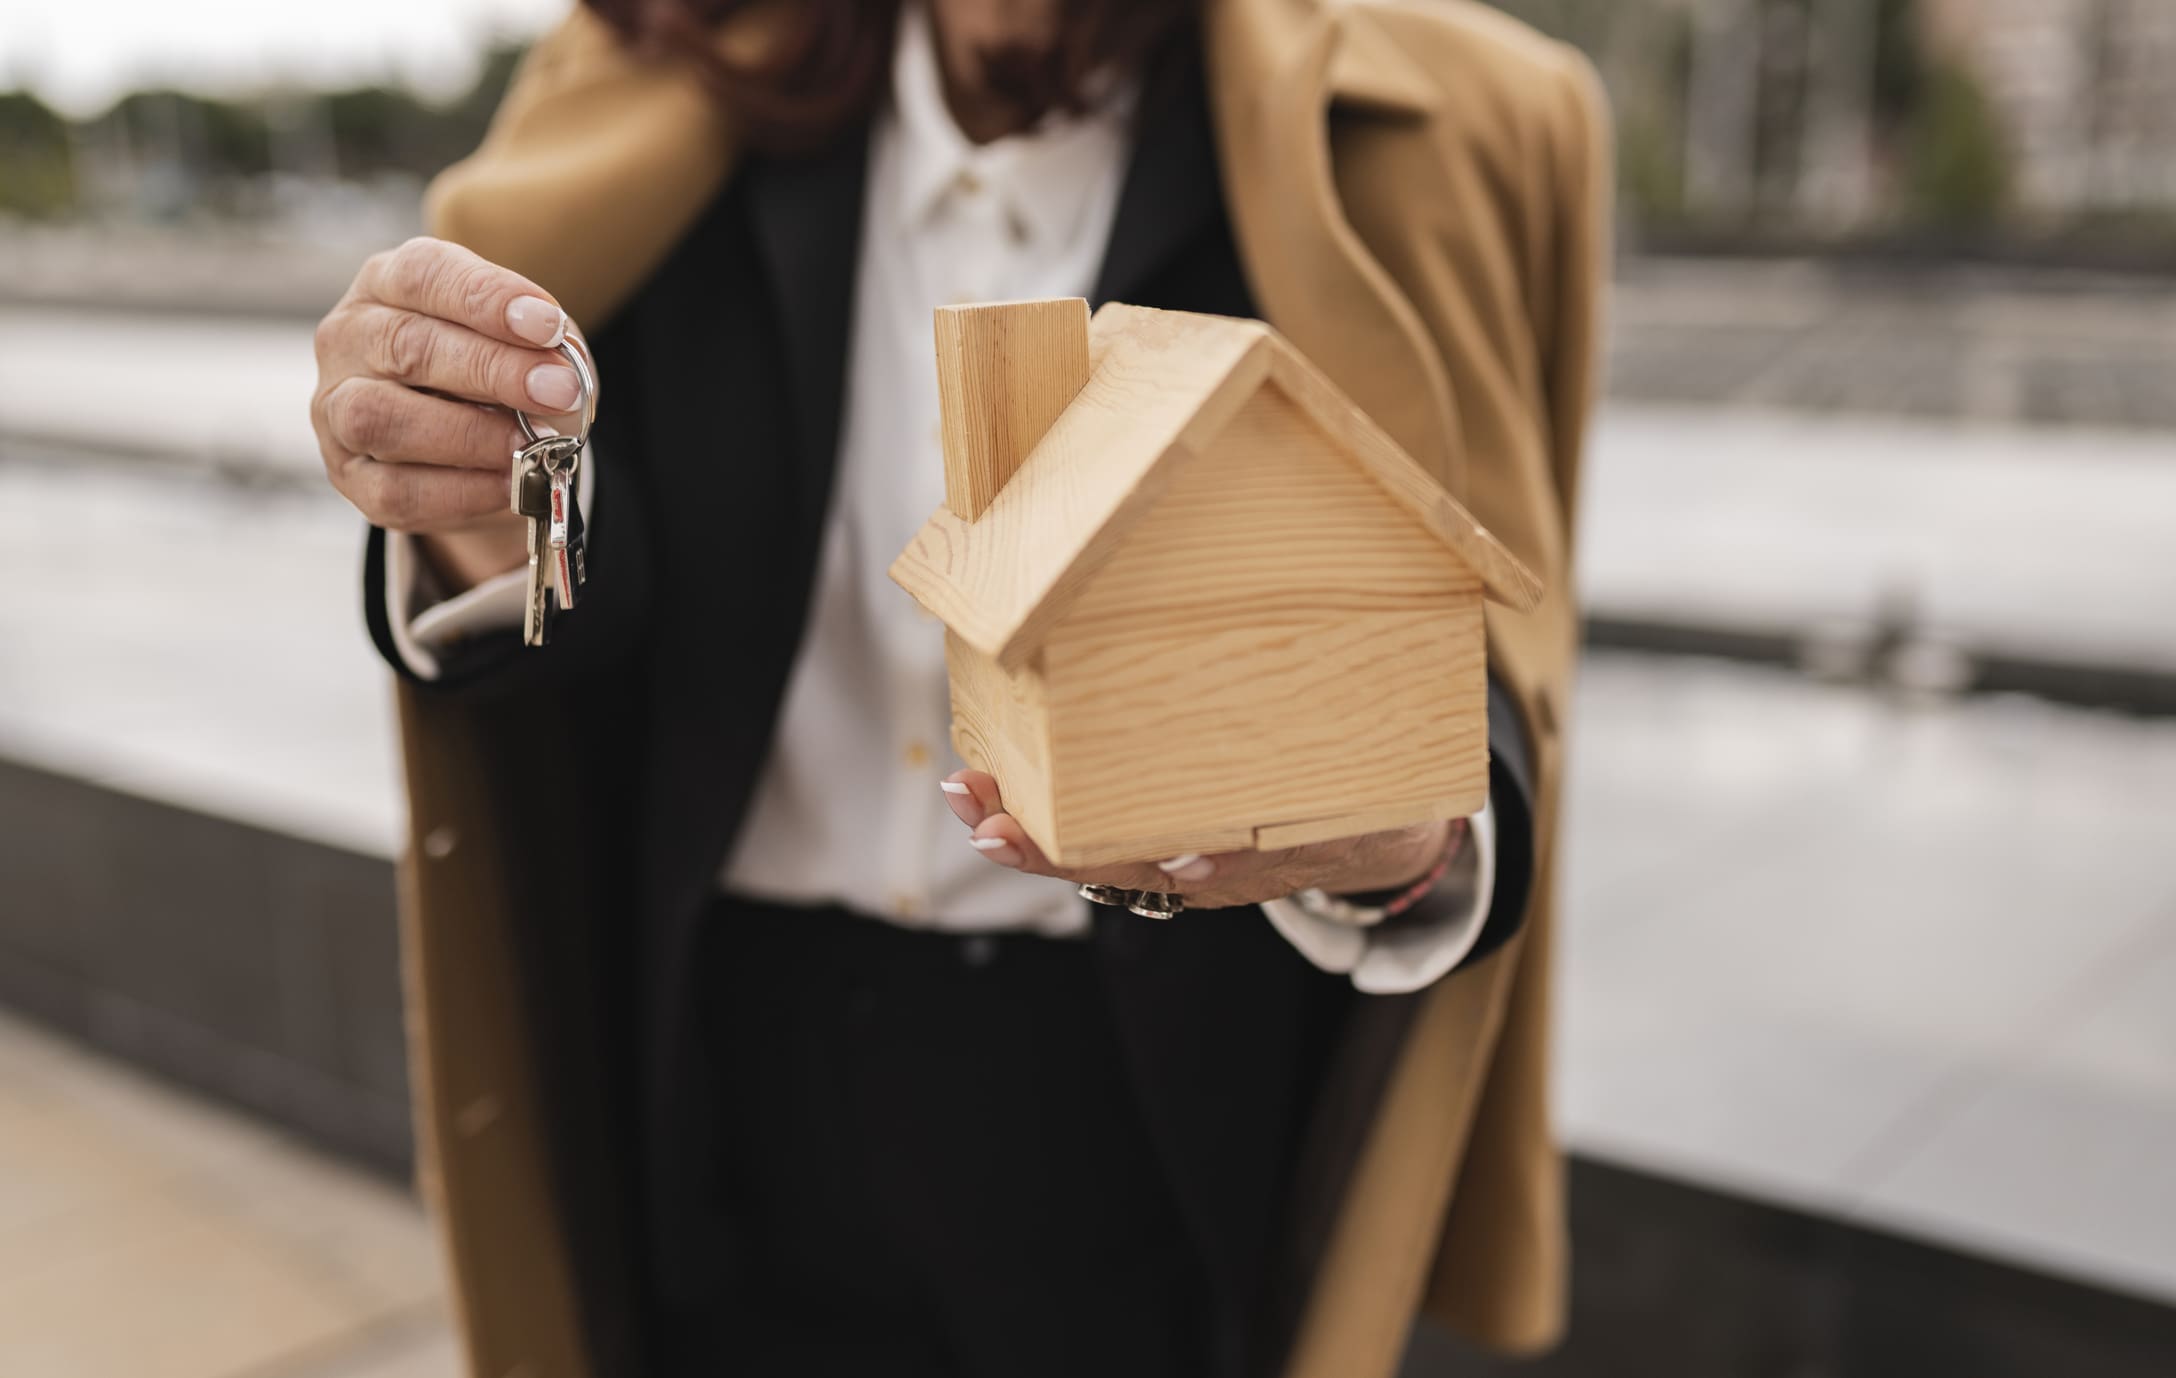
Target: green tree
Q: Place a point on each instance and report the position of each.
(1959, 163)
(37, 175)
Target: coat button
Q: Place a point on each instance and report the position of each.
(1545, 713)
(478, 1115)
(439, 842)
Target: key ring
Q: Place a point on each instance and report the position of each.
(587, 378)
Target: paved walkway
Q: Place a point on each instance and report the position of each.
(144, 1235)
(2048, 544)
(1945, 342)
(1909, 963)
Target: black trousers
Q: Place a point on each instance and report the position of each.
(935, 1164)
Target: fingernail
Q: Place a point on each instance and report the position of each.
(554, 387)
(537, 321)
(996, 849)
(1192, 866)
(961, 800)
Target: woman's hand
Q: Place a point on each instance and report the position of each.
(1351, 865)
(414, 367)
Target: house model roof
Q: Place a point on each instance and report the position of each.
(1161, 386)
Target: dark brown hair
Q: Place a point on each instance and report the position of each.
(832, 61)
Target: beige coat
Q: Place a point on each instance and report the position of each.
(1420, 197)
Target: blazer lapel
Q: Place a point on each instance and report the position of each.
(1170, 191)
(806, 215)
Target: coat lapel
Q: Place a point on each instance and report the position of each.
(806, 216)
(1277, 68)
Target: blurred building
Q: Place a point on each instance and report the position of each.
(2084, 93)
(1812, 121)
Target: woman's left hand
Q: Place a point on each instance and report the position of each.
(1350, 865)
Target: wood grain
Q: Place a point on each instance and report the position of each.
(1276, 643)
(1004, 373)
(1507, 580)
(1214, 608)
(1162, 387)
(1309, 831)
(1276, 519)
(1000, 725)
(1172, 742)
(1161, 380)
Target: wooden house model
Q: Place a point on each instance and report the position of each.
(1195, 600)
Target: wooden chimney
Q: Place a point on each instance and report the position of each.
(1004, 373)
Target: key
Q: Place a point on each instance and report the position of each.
(532, 498)
(565, 537)
(543, 491)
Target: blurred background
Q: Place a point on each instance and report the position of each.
(1868, 1018)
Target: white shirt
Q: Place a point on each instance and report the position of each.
(862, 739)
(848, 808)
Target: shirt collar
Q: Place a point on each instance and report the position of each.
(1047, 177)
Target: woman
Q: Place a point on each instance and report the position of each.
(729, 1059)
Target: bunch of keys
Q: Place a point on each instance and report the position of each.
(545, 490)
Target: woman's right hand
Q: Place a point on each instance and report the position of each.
(416, 367)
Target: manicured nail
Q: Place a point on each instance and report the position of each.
(996, 849)
(537, 321)
(1192, 866)
(961, 800)
(554, 387)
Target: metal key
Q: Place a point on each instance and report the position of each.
(544, 491)
(569, 563)
(532, 498)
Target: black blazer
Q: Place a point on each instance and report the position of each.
(718, 436)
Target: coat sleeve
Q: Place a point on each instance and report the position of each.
(1499, 1274)
(1558, 254)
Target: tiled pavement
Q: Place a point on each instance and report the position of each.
(1907, 964)
(145, 1235)
(1930, 341)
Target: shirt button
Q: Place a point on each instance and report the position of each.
(967, 182)
(916, 755)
